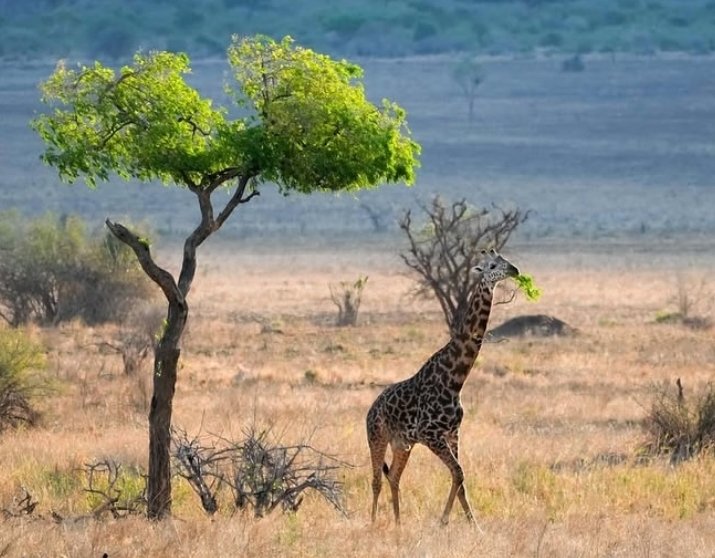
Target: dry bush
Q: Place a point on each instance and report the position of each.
(261, 473)
(20, 358)
(15, 408)
(113, 490)
(688, 297)
(678, 426)
(200, 466)
(23, 505)
(347, 297)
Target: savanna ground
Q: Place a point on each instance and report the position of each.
(616, 163)
(550, 435)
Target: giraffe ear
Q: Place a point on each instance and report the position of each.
(477, 269)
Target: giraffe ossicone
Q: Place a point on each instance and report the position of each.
(426, 408)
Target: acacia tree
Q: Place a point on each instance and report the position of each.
(309, 127)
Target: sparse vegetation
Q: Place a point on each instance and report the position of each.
(552, 444)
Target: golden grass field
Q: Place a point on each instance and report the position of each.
(549, 440)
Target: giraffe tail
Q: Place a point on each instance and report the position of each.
(385, 469)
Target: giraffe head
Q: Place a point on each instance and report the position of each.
(493, 267)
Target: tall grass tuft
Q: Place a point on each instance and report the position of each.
(678, 426)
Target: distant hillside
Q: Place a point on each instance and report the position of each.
(116, 28)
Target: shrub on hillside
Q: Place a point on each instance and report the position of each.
(52, 270)
(20, 359)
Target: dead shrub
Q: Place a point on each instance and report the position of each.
(680, 427)
(114, 490)
(261, 473)
(347, 297)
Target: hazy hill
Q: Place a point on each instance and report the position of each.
(115, 28)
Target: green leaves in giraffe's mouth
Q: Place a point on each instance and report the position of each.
(528, 287)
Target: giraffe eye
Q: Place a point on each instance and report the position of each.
(492, 265)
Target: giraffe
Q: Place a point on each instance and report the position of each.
(426, 408)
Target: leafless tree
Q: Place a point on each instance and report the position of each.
(443, 249)
(347, 297)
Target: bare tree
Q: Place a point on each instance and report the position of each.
(444, 248)
(347, 297)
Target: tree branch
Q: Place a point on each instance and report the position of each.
(210, 224)
(236, 199)
(141, 248)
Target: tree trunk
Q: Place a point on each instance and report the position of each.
(166, 360)
(165, 371)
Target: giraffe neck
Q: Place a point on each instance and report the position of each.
(472, 325)
(454, 361)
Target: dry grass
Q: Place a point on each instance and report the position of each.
(550, 434)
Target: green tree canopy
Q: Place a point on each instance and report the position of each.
(310, 126)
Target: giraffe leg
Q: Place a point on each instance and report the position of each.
(399, 460)
(448, 452)
(378, 447)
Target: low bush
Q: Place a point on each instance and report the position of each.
(52, 269)
(678, 426)
(20, 359)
